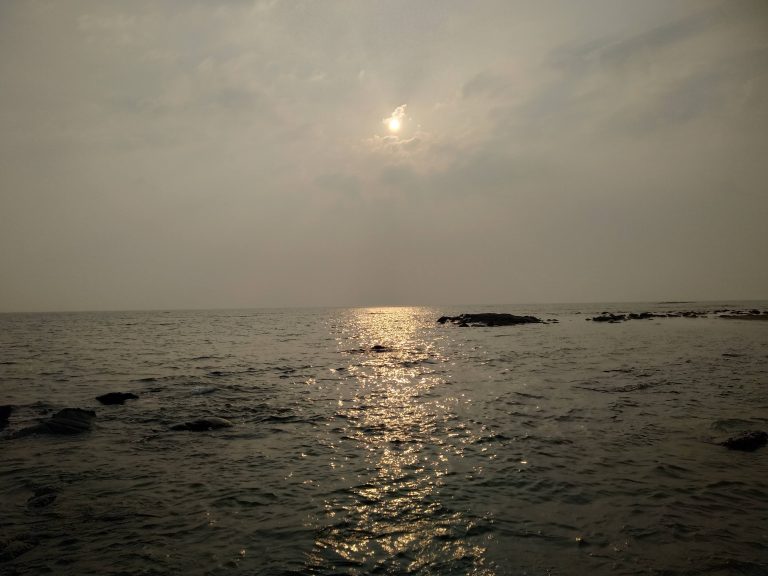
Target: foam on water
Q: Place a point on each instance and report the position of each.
(377, 441)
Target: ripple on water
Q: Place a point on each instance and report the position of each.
(570, 448)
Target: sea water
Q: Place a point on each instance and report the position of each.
(560, 448)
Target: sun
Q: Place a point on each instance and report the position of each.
(394, 122)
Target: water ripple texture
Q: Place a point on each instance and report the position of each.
(377, 441)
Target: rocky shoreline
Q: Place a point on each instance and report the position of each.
(614, 318)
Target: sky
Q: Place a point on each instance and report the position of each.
(191, 154)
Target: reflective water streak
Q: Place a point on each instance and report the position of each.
(392, 518)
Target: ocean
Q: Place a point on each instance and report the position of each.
(377, 441)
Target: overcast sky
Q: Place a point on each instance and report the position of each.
(186, 154)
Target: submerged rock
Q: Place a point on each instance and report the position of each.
(376, 348)
(116, 397)
(15, 547)
(747, 441)
(42, 497)
(763, 317)
(5, 414)
(70, 421)
(66, 421)
(203, 424)
(489, 319)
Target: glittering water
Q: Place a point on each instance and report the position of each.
(570, 448)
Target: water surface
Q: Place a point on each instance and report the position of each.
(569, 448)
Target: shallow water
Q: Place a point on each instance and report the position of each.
(569, 448)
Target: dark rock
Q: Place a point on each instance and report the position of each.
(66, 421)
(116, 397)
(614, 318)
(747, 441)
(641, 316)
(15, 547)
(489, 319)
(692, 314)
(70, 421)
(608, 317)
(380, 348)
(43, 497)
(762, 317)
(203, 424)
(5, 414)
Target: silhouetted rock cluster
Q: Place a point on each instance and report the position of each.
(488, 319)
(743, 314)
(747, 441)
(724, 313)
(615, 318)
(753, 312)
(70, 421)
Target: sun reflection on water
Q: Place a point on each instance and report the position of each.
(389, 515)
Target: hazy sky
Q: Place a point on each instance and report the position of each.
(185, 154)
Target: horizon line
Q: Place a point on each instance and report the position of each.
(362, 306)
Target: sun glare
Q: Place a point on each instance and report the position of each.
(394, 122)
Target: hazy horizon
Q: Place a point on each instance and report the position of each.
(274, 154)
(512, 306)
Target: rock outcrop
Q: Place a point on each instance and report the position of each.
(489, 319)
(70, 421)
(747, 441)
(615, 318)
(66, 421)
(380, 348)
(5, 414)
(116, 397)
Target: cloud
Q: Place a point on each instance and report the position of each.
(396, 146)
(535, 136)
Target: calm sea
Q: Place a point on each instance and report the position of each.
(568, 448)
